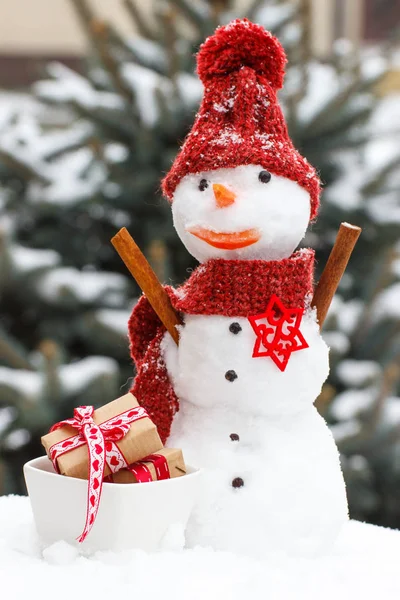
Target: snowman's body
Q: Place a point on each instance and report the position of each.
(293, 497)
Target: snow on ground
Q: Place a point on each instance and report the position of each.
(364, 564)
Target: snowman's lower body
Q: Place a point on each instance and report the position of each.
(293, 496)
(279, 486)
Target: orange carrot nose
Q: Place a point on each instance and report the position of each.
(223, 196)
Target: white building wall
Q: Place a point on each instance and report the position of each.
(51, 26)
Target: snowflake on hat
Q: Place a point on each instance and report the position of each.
(242, 198)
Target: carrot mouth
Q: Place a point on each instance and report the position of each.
(227, 241)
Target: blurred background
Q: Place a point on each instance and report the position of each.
(94, 98)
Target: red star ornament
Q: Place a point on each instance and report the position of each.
(278, 332)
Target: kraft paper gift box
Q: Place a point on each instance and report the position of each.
(141, 440)
(175, 461)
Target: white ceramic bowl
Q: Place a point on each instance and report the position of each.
(130, 515)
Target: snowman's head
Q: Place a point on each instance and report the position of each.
(244, 212)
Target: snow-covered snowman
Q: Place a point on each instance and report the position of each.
(237, 393)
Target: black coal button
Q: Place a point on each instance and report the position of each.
(237, 482)
(235, 328)
(231, 375)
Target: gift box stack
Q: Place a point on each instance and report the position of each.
(117, 443)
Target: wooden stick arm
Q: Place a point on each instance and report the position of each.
(335, 267)
(141, 270)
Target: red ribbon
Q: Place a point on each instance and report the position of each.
(102, 449)
(142, 472)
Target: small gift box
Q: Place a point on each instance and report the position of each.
(139, 440)
(95, 443)
(165, 464)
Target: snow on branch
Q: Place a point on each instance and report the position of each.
(195, 13)
(149, 54)
(68, 86)
(138, 19)
(275, 17)
(67, 285)
(23, 164)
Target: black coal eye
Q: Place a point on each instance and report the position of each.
(203, 185)
(264, 176)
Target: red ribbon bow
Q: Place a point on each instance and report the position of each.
(100, 440)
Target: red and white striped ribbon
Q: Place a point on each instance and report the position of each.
(142, 472)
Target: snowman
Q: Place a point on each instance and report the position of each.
(237, 393)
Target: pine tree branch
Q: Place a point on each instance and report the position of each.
(170, 36)
(122, 123)
(392, 343)
(292, 121)
(365, 318)
(336, 130)
(360, 442)
(370, 188)
(24, 170)
(305, 16)
(391, 42)
(361, 140)
(192, 13)
(147, 60)
(101, 36)
(218, 7)
(390, 376)
(138, 20)
(158, 258)
(85, 15)
(251, 11)
(119, 42)
(333, 106)
(51, 353)
(100, 33)
(166, 116)
(282, 24)
(2, 478)
(68, 147)
(11, 355)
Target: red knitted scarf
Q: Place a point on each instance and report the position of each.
(239, 288)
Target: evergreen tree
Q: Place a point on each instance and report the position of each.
(66, 190)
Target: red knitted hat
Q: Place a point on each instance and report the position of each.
(240, 121)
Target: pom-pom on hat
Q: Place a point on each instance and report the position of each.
(240, 121)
